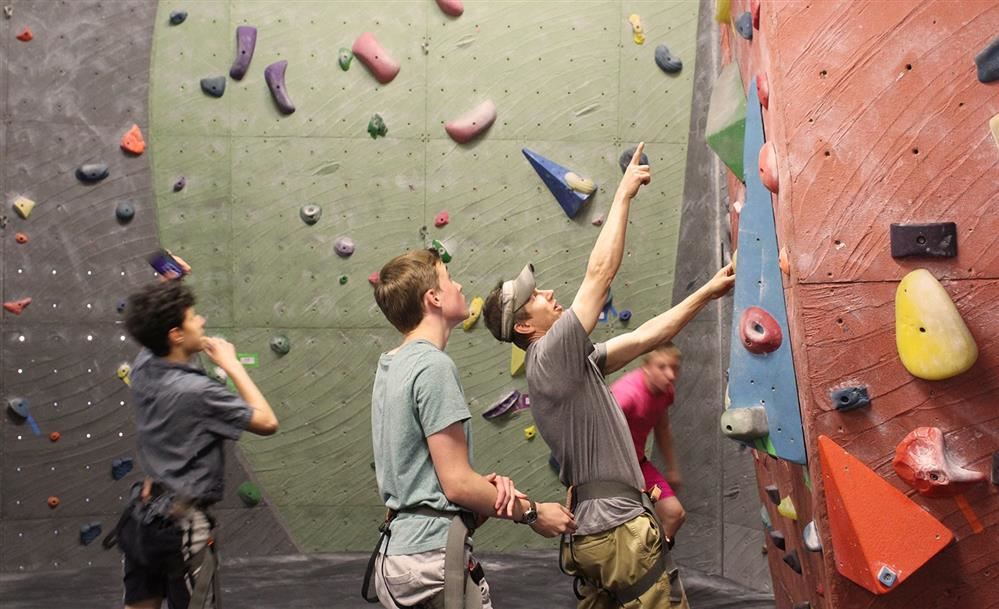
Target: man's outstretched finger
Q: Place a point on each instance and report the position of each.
(637, 157)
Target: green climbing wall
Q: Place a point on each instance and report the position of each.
(568, 82)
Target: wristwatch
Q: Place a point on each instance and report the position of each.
(530, 515)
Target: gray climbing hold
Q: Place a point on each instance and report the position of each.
(280, 344)
(667, 62)
(178, 17)
(811, 536)
(310, 214)
(988, 62)
(625, 159)
(19, 406)
(213, 86)
(344, 247)
(180, 184)
(274, 75)
(246, 41)
(887, 577)
(344, 58)
(92, 172)
(125, 211)
(850, 398)
(765, 517)
(89, 532)
(744, 25)
(745, 424)
(778, 538)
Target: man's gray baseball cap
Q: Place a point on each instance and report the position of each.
(515, 294)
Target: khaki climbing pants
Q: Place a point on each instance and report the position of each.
(618, 558)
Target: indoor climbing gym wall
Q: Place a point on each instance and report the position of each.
(863, 152)
(298, 146)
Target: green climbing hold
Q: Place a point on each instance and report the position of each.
(726, 125)
(343, 280)
(376, 126)
(344, 58)
(444, 254)
(249, 493)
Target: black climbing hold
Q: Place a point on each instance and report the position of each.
(803, 605)
(310, 214)
(180, 184)
(214, 86)
(850, 398)
(122, 305)
(995, 467)
(280, 344)
(125, 211)
(92, 172)
(553, 463)
(667, 62)
(89, 532)
(178, 17)
(988, 62)
(937, 240)
(274, 75)
(744, 25)
(121, 467)
(246, 41)
(625, 159)
(19, 406)
(778, 538)
(773, 493)
(792, 558)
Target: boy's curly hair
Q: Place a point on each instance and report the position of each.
(155, 310)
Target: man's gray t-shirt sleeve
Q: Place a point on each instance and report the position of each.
(224, 413)
(437, 392)
(562, 354)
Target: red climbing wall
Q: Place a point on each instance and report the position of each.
(878, 118)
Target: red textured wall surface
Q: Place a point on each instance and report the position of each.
(878, 117)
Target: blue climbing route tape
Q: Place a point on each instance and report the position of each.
(766, 379)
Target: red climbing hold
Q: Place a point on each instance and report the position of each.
(133, 142)
(54, 436)
(442, 219)
(922, 461)
(763, 90)
(768, 167)
(21, 238)
(17, 306)
(53, 502)
(374, 278)
(25, 35)
(759, 331)
(453, 8)
(754, 8)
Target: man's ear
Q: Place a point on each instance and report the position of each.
(432, 298)
(524, 327)
(175, 337)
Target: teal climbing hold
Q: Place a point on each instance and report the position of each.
(553, 175)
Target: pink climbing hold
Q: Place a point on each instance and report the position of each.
(922, 461)
(17, 306)
(597, 220)
(471, 124)
(442, 219)
(763, 90)
(453, 8)
(374, 278)
(375, 58)
(768, 167)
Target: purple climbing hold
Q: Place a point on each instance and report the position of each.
(122, 305)
(508, 404)
(214, 86)
(92, 172)
(988, 62)
(624, 315)
(180, 184)
(344, 247)
(625, 159)
(246, 41)
(274, 75)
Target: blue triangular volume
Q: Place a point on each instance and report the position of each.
(553, 176)
(767, 379)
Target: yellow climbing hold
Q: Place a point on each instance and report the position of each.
(994, 126)
(516, 360)
(723, 11)
(933, 342)
(638, 34)
(579, 183)
(124, 373)
(23, 206)
(530, 432)
(474, 310)
(786, 508)
(735, 259)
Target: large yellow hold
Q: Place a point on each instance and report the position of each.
(933, 342)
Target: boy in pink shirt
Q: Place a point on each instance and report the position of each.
(645, 395)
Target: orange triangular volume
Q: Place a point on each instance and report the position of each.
(132, 141)
(880, 537)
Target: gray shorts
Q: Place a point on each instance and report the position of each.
(417, 580)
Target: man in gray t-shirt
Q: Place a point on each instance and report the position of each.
(618, 550)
